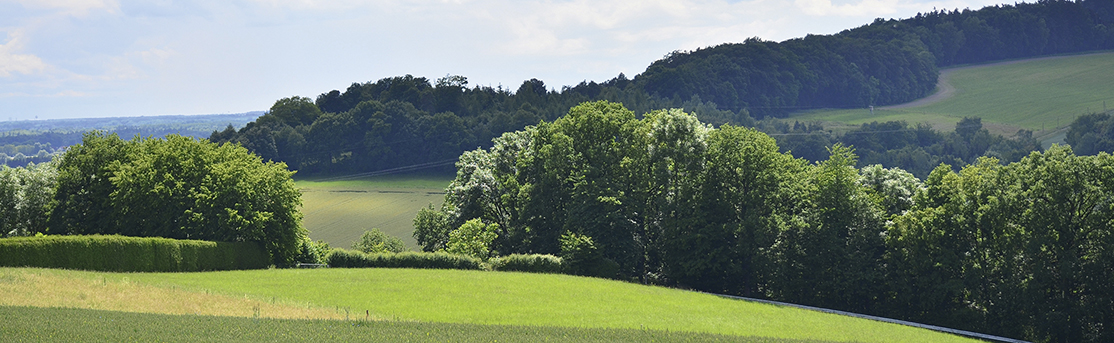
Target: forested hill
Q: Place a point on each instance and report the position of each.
(410, 121)
(885, 62)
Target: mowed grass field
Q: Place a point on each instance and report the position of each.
(433, 305)
(1037, 94)
(339, 212)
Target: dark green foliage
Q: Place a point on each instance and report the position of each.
(532, 263)
(341, 258)
(177, 187)
(376, 241)
(130, 254)
(580, 256)
(1091, 134)
(917, 149)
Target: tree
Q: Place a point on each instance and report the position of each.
(472, 239)
(177, 187)
(376, 241)
(25, 195)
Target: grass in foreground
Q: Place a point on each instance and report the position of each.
(517, 299)
(1038, 94)
(56, 325)
(339, 212)
(59, 288)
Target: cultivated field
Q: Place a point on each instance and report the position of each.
(1040, 94)
(339, 212)
(436, 304)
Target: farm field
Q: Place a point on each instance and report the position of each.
(505, 300)
(1042, 95)
(339, 212)
(68, 324)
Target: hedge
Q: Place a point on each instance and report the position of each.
(527, 263)
(343, 258)
(130, 254)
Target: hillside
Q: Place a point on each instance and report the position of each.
(1041, 94)
(495, 298)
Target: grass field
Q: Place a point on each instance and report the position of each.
(339, 212)
(506, 300)
(82, 325)
(1039, 95)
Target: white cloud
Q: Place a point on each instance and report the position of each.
(11, 61)
(71, 7)
(864, 8)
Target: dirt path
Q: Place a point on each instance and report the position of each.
(945, 90)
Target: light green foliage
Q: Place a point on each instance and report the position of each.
(532, 263)
(893, 188)
(313, 252)
(375, 241)
(177, 187)
(472, 239)
(25, 195)
(534, 300)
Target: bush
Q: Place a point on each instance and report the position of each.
(376, 241)
(341, 258)
(130, 254)
(313, 252)
(580, 256)
(527, 263)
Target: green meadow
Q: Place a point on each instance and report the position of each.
(339, 212)
(1040, 94)
(481, 304)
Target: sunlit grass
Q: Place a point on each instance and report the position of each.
(339, 212)
(105, 291)
(497, 298)
(1035, 95)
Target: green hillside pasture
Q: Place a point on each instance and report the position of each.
(23, 324)
(1036, 94)
(520, 299)
(339, 212)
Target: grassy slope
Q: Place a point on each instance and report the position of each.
(339, 212)
(81, 325)
(1035, 94)
(493, 298)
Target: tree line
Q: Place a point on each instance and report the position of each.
(1020, 250)
(414, 121)
(177, 187)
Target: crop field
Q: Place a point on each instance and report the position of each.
(494, 303)
(83, 325)
(1040, 94)
(339, 212)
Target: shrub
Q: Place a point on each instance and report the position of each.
(130, 254)
(342, 258)
(580, 256)
(527, 263)
(473, 238)
(313, 252)
(376, 241)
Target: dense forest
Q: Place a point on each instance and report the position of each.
(414, 122)
(1021, 250)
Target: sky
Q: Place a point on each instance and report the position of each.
(111, 58)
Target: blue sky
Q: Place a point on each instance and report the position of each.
(101, 58)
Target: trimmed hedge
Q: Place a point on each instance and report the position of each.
(343, 258)
(527, 263)
(130, 254)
